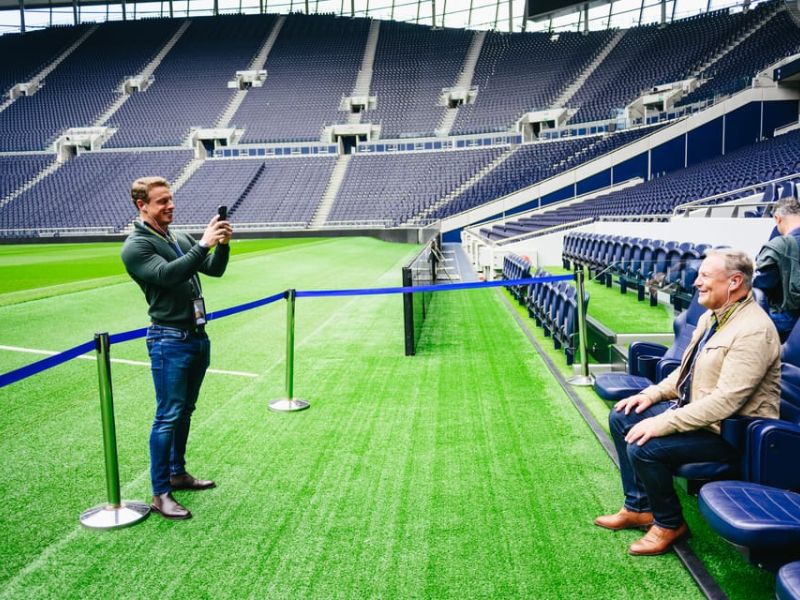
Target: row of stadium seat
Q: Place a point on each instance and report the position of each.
(643, 263)
(553, 305)
(752, 504)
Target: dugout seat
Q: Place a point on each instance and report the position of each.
(649, 363)
(787, 584)
(761, 514)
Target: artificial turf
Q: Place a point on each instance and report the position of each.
(462, 472)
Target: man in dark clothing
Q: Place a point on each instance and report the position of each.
(778, 267)
(166, 267)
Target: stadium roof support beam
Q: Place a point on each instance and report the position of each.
(75, 11)
(22, 16)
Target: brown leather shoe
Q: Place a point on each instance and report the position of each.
(169, 508)
(187, 482)
(658, 540)
(625, 519)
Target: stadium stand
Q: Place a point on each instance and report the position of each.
(502, 75)
(89, 191)
(778, 38)
(18, 170)
(80, 89)
(33, 51)
(379, 187)
(313, 64)
(412, 65)
(281, 190)
(748, 166)
(657, 265)
(533, 163)
(191, 83)
(651, 55)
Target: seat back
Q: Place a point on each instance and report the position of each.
(684, 326)
(790, 377)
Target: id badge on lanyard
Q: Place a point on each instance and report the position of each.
(198, 303)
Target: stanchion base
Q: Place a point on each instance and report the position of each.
(581, 380)
(107, 516)
(288, 405)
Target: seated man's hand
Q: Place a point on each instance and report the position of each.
(638, 402)
(642, 432)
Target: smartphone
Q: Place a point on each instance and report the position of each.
(222, 211)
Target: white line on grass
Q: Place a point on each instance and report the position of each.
(122, 361)
(13, 584)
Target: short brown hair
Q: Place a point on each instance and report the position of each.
(140, 189)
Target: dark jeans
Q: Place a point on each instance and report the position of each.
(178, 360)
(647, 470)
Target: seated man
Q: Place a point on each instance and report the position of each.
(778, 267)
(731, 366)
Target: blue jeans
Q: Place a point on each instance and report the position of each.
(178, 360)
(647, 470)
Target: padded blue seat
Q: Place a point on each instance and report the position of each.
(649, 363)
(761, 520)
(787, 585)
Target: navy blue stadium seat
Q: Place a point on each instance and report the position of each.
(649, 363)
(787, 584)
(762, 513)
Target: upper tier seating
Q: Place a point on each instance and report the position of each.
(312, 65)
(412, 65)
(779, 37)
(651, 55)
(503, 72)
(32, 51)
(91, 190)
(84, 85)
(191, 83)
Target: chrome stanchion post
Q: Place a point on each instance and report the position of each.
(289, 403)
(115, 513)
(585, 378)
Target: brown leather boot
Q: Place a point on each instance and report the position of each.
(169, 508)
(658, 540)
(187, 482)
(625, 519)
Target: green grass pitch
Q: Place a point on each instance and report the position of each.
(462, 472)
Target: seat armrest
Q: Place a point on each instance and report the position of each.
(666, 366)
(638, 349)
(771, 454)
(734, 430)
(646, 366)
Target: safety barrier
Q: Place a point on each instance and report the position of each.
(117, 513)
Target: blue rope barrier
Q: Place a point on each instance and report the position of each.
(44, 364)
(431, 288)
(225, 312)
(53, 361)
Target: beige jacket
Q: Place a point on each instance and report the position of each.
(738, 371)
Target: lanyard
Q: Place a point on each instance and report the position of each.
(173, 241)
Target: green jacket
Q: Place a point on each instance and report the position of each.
(166, 278)
(778, 272)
